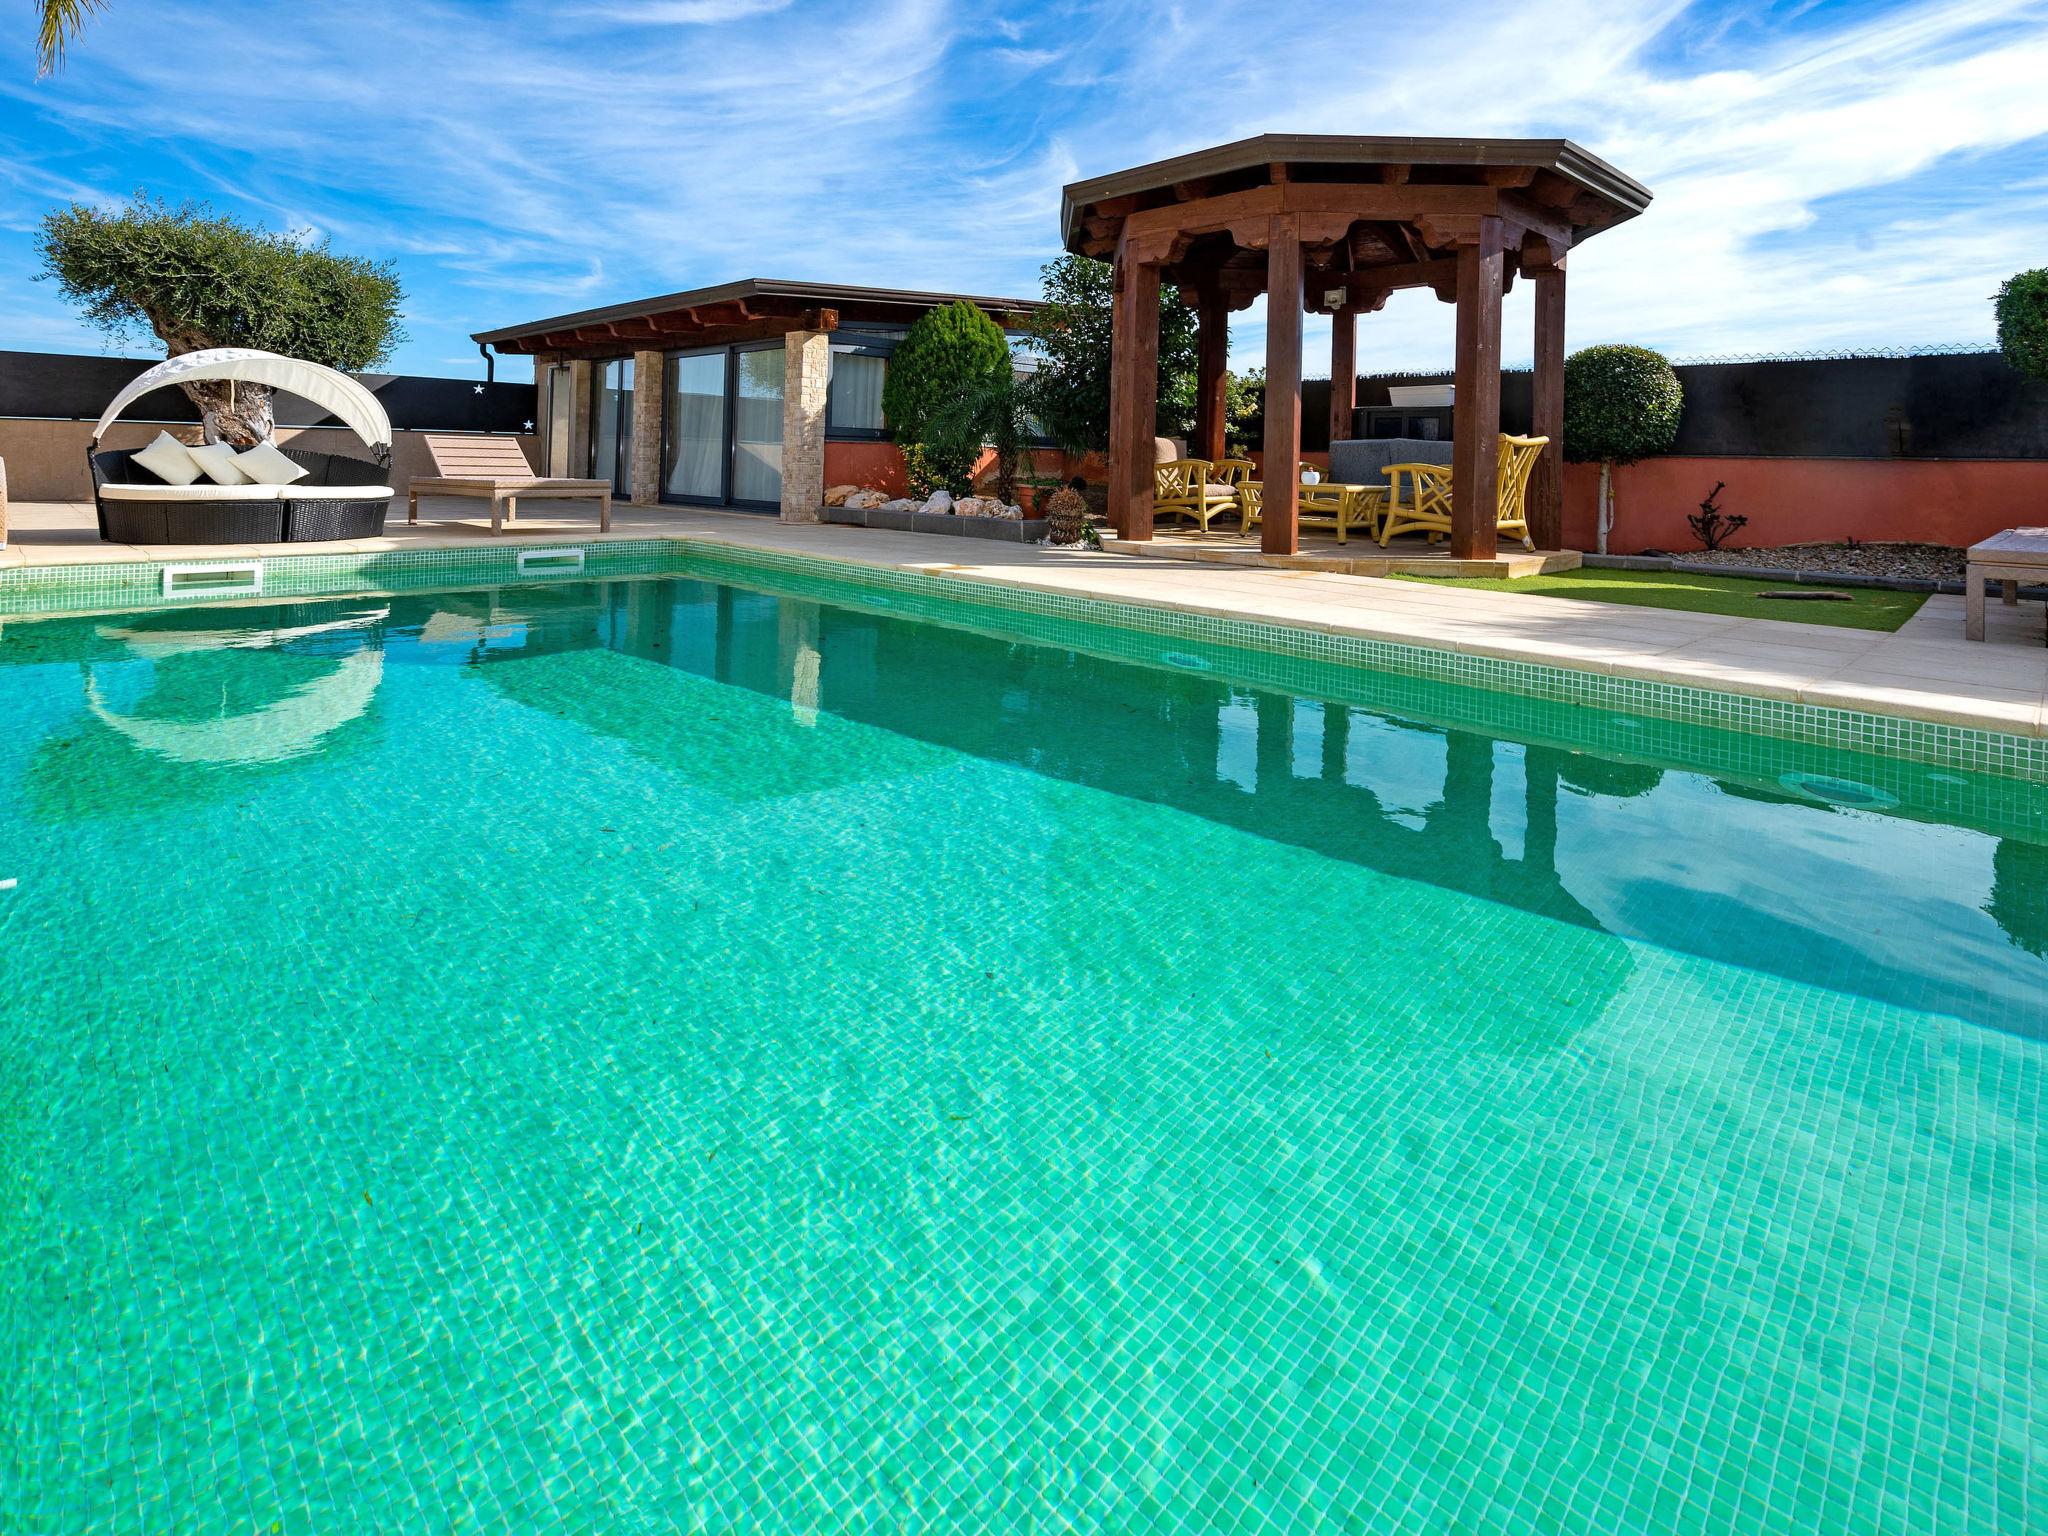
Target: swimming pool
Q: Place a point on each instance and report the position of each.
(679, 1053)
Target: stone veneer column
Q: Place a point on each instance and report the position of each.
(806, 370)
(579, 422)
(647, 386)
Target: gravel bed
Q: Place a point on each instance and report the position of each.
(1886, 562)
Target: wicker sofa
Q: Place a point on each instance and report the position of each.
(340, 498)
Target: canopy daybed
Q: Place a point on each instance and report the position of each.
(339, 497)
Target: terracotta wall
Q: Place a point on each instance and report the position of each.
(1799, 501)
(872, 466)
(879, 466)
(1794, 501)
(46, 459)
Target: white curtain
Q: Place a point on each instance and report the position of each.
(696, 426)
(757, 427)
(857, 391)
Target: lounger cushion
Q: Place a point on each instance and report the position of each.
(169, 460)
(265, 465)
(218, 460)
(203, 491)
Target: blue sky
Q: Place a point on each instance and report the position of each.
(1827, 174)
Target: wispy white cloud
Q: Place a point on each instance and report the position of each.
(691, 13)
(521, 158)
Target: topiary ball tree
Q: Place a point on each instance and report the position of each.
(1621, 404)
(948, 355)
(194, 279)
(2022, 309)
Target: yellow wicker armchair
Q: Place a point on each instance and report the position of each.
(1251, 497)
(1425, 503)
(1232, 472)
(1183, 488)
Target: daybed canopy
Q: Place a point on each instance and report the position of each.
(334, 392)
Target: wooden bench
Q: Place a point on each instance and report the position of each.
(495, 469)
(2008, 558)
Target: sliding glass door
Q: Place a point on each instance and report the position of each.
(611, 424)
(722, 426)
(693, 427)
(757, 426)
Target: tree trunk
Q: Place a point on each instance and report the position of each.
(232, 412)
(1605, 516)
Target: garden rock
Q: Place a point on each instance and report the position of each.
(837, 495)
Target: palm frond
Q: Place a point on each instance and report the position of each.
(60, 24)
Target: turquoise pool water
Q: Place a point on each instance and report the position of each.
(659, 1054)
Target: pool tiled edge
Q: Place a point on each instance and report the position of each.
(52, 589)
(1932, 742)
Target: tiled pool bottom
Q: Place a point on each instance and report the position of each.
(655, 1055)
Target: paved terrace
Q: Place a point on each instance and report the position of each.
(1926, 670)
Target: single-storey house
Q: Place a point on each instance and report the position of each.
(754, 395)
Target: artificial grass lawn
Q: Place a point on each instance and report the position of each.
(1867, 608)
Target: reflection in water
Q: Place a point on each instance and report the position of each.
(1789, 885)
(1900, 905)
(172, 699)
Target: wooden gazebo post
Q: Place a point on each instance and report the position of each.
(1343, 370)
(1546, 485)
(1280, 512)
(1475, 428)
(1211, 381)
(1133, 394)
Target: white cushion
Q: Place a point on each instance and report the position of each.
(337, 492)
(266, 465)
(169, 460)
(204, 491)
(218, 460)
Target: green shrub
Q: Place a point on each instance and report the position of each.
(1620, 404)
(992, 414)
(1244, 411)
(2022, 310)
(948, 352)
(1070, 332)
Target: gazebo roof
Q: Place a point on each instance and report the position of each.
(1405, 194)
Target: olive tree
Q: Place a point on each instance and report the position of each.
(1621, 404)
(2022, 310)
(193, 279)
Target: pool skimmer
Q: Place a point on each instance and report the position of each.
(1846, 793)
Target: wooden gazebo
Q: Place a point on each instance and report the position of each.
(1336, 224)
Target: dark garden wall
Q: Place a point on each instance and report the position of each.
(66, 387)
(1967, 405)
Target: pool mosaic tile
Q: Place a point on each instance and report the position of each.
(654, 1054)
